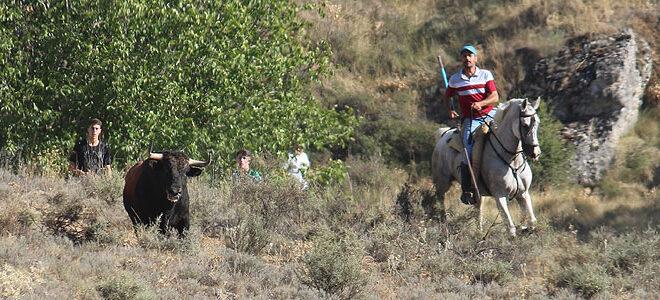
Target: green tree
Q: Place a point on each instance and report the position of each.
(553, 167)
(206, 77)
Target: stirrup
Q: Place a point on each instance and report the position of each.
(467, 198)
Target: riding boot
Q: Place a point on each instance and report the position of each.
(466, 186)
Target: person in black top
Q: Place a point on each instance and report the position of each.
(91, 155)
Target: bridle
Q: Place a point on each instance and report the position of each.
(528, 149)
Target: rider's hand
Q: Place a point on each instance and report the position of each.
(453, 114)
(476, 106)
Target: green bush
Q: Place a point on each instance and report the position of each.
(205, 77)
(335, 172)
(401, 142)
(553, 167)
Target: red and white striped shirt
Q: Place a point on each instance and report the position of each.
(473, 89)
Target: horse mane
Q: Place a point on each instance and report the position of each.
(502, 109)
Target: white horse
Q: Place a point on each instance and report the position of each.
(505, 173)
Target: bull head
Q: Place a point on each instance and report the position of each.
(174, 168)
(191, 162)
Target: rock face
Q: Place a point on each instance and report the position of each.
(595, 88)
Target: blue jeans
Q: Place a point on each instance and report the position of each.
(468, 128)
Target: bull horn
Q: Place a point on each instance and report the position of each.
(156, 156)
(198, 163)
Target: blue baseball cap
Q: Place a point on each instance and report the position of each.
(469, 48)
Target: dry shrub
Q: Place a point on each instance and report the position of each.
(652, 93)
(108, 189)
(415, 204)
(150, 237)
(250, 234)
(16, 218)
(70, 217)
(334, 265)
(277, 203)
(491, 271)
(209, 206)
(123, 287)
(637, 159)
(587, 279)
(391, 242)
(15, 281)
(627, 253)
(242, 264)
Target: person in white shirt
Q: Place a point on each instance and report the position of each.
(298, 164)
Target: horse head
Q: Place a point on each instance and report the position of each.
(528, 128)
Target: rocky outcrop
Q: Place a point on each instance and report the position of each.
(595, 88)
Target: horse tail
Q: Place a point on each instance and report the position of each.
(440, 133)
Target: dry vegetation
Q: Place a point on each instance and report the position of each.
(370, 236)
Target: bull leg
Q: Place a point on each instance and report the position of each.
(182, 226)
(525, 202)
(504, 211)
(163, 225)
(131, 214)
(135, 219)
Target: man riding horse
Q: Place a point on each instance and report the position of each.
(476, 93)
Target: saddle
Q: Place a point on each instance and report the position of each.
(456, 142)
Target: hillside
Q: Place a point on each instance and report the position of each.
(384, 53)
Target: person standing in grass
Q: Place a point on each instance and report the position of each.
(476, 92)
(243, 160)
(298, 164)
(91, 156)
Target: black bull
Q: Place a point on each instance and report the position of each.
(156, 188)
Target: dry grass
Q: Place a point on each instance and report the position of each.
(72, 239)
(414, 259)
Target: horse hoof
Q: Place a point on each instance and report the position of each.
(468, 199)
(528, 230)
(512, 233)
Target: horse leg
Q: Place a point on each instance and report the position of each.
(440, 198)
(480, 213)
(525, 202)
(504, 211)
